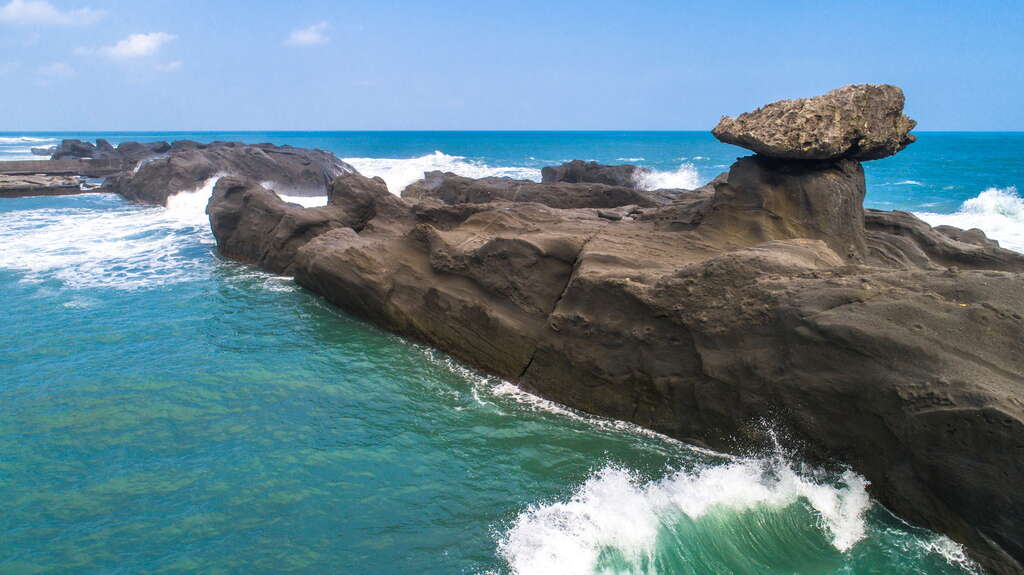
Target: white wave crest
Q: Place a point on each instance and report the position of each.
(908, 183)
(110, 243)
(999, 212)
(400, 172)
(305, 201)
(684, 177)
(615, 510)
(629, 159)
(23, 139)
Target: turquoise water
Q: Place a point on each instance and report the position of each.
(166, 411)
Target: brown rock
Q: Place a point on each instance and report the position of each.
(859, 122)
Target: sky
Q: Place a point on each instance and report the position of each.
(478, 65)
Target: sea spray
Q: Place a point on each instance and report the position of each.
(684, 177)
(713, 515)
(99, 240)
(400, 172)
(999, 212)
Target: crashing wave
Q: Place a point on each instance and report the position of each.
(103, 242)
(999, 212)
(400, 172)
(684, 177)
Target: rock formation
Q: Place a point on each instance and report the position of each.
(580, 172)
(187, 165)
(15, 186)
(103, 150)
(858, 122)
(871, 338)
(452, 189)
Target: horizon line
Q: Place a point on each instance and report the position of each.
(427, 131)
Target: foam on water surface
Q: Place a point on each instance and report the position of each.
(684, 177)
(104, 242)
(400, 172)
(999, 212)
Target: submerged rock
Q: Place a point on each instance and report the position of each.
(580, 172)
(859, 122)
(871, 338)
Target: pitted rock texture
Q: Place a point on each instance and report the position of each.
(858, 122)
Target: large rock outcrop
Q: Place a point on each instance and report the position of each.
(857, 122)
(872, 338)
(580, 172)
(188, 165)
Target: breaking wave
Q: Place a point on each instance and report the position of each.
(24, 139)
(20, 147)
(704, 519)
(100, 241)
(999, 212)
(685, 177)
(756, 515)
(400, 172)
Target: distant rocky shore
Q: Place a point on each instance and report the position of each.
(151, 172)
(870, 338)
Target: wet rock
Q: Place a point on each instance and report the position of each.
(288, 170)
(580, 172)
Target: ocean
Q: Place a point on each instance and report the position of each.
(163, 410)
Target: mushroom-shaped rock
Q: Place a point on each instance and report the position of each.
(859, 122)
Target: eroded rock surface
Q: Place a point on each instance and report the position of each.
(873, 339)
(858, 122)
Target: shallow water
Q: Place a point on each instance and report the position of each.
(163, 411)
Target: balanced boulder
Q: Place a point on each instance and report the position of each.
(858, 122)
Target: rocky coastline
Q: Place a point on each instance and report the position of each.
(872, 339)
(149, 173)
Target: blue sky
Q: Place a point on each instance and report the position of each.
(320, 65)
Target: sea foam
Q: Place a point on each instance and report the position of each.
(999, 212)
(109, 243)
(400, 172)
(684, 177)
(615, 513)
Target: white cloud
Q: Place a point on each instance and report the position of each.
(170, 66)
(44, 13)
(56, 70)
(309, 36)
(138, 45)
